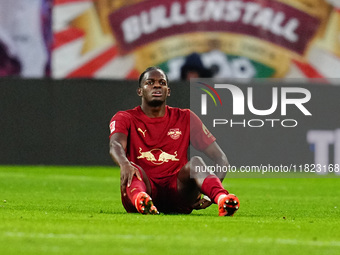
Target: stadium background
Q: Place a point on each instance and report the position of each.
(71, 64)
(65, 70)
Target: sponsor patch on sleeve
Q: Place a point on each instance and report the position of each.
(112, 126)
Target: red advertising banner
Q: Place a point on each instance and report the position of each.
(275, 22)
(118, 39)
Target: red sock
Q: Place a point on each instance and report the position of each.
(135, 187)
(212, 187)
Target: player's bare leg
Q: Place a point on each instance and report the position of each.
(192, 183)
(189, 187)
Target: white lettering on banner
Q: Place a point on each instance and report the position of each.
(177, 17)
(193, 11)
(213, 10)
(249, 12)
(322, 139)
(196, 11)
(131, 29)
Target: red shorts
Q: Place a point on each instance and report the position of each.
(164, 195)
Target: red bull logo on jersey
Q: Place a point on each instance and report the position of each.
(174, 133)
(157, 156)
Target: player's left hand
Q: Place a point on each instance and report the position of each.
(202, 203)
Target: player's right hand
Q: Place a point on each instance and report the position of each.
(202, 202)
(127, 171)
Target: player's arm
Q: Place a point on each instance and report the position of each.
(203, 140)
(215, 153)
(118, 143)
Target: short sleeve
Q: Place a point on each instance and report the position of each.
(120, 123)
(200, 136)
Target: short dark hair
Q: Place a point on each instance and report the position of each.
(151, 68)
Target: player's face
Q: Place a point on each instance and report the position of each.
(154, 88)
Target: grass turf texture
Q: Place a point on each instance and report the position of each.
(77, 210)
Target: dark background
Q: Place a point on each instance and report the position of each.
(65, 122)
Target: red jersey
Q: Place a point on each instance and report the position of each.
(160, 145)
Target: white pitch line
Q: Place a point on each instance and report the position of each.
(153, 237)
(285, 241)
(60, 176)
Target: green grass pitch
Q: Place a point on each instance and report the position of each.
(77, 210)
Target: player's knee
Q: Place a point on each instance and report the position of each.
(196, 164)
(196, 161)
(189, 171)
